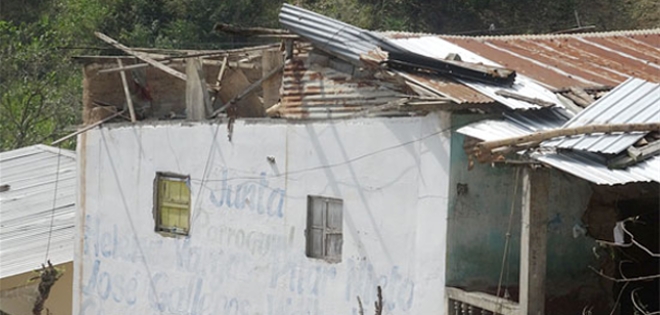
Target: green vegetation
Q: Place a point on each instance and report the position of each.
(40, 86)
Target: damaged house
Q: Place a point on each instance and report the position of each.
(342, 167)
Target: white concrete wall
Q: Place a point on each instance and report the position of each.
(246, 255)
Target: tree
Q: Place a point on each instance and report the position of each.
(39, 90)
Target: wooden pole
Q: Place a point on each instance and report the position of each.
(549, 134)
(533, 241)
(248, 90)
(127, 93)
(141, 56)
(92, 126)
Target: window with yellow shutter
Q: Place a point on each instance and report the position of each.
(172, 204)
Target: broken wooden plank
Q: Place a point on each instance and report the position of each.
(233, 64)
(218, 83)
(247, 91)
(248, 31)
(118, 69)
(635, 155)
(575, 99)
(234, 83)
(157, 64)
(531, 100)
(483, 301)
(223, 67)
(387, 106)
(549, 134)
(92, 126)
(582, 94)
(127, 93)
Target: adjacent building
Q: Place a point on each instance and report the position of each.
(37, 215)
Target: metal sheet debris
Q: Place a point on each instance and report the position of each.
(436, 47)
(634, 101)
(593, 167)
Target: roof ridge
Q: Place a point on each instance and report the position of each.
(649, 31)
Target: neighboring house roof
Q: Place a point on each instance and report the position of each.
(593, 167)
(632, 102)
(436, 47)
(516, 124)
(26, 208)
(584, 60)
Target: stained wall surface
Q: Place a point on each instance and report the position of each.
(246, 250)
(482, 203)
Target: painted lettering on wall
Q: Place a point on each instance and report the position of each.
(256, 196)
(217, 269)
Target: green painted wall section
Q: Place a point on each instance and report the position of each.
(479, 217)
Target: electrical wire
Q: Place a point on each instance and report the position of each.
(201, 185)
(128, 215)
(52, 214)
(508, 231)
(331, 165)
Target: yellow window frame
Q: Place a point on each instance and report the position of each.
(172, 203)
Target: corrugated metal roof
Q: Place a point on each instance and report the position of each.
(516, 124)
(584, 60)
(457, 92)
(330, 35)
(320, 92)
(593, 167)
(634, 101)
(436, 47)
(26, 208)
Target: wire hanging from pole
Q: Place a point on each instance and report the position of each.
(52, 214)
(508, 231)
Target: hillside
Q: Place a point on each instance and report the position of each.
(40, 87)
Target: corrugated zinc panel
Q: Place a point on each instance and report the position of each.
(516, 124)
(319, 92)
(593, 167)
(330, 35)
(584, 60)
(451, 89)
(634, 101)
(27, 207)
(436, 47)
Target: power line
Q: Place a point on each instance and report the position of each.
(52, 213)
(331, 165)
(130, 218)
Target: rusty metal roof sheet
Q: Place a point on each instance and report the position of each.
(436, 47)
(446, 87)
(634, 101)
(584, 60)
(319, 92)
